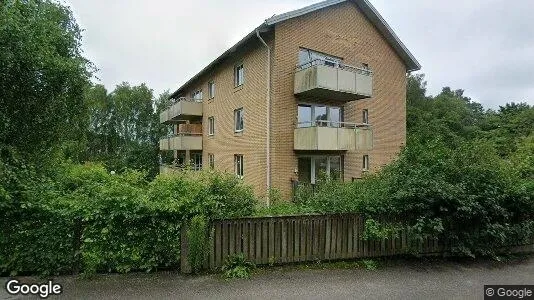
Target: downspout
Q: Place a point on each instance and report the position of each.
(268, 102)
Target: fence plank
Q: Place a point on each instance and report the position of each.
(257, 256)
(328, 237)
(245, 238)
(283, 236)
(265, 241)
(333, 239)
(304, 238)
(290, 240)
(297, 240)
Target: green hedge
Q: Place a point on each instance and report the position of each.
(85, 219)
(468, 196)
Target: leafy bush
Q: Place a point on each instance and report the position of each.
(236, 266)
(370, 264)
(86, 219)
(198, 242)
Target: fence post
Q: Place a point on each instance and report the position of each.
(185, 266)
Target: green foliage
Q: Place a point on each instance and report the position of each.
(198, 242)
(370, 264)
(374, 230)
(42, 76)
(124, 129)
(88, 219)
(236, 266)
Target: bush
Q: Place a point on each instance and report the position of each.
(467, 197)
(197, 235)
(236, 266)
(86, 219)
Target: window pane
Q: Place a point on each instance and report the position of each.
(304, 116)
(211, 90)
(320, 115)
(238, 163)
(304, 168)
(335, 116)
(365, 164)
(304, 56)
(320, 169)
(238, 115)
(335, 167)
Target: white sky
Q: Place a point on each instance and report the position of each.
(485, 47)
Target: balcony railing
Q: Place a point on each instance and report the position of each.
(181, 141)
(323, 135)
(182, 109)
(322, 78)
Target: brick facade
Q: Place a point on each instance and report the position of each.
(340, 30)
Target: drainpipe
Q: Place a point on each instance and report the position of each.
(268, 102)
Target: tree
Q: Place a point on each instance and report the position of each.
(42, 76)
(123, 127)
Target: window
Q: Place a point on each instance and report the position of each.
(211, 126)
(365, 116)
(238, 165)
(239, 75)
(197, 95)
(211, 90)
(318, 115)
(211, 159)
(365, 164)
(238, 120)
(316, 169)
(196, 161)
(308, 58)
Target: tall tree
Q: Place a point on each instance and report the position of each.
(42, 75)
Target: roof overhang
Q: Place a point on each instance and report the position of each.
(365, 6)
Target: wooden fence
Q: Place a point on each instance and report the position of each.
(274, 240)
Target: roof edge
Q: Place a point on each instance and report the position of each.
(367, 8)
(374, 16)
(262, 27)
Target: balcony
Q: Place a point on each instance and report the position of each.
(188, 137)
(181, 142)
(333, 136)
(184, 109)
(322, 79)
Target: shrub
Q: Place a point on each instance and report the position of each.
(236, 266)
(198, 242)
(83, 218)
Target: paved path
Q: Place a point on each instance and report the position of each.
(397, 280)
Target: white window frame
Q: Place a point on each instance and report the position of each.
(211, 161)
(239, 168)
(211, 126)
(365, 163)
(211, 89)
(365, 116)
(239, 112)
(237, 80)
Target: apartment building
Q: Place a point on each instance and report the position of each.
(313, 93)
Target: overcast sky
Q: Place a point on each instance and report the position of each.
(485, 47)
